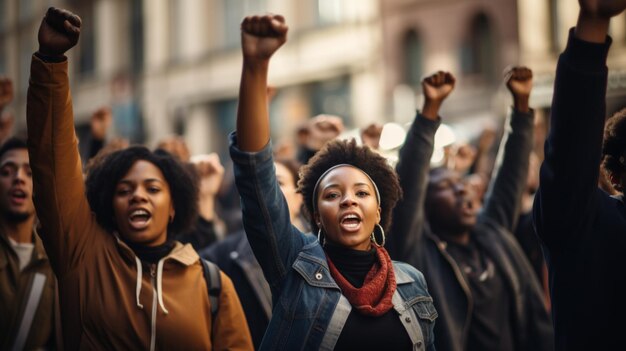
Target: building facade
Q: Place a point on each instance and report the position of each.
(173, 66)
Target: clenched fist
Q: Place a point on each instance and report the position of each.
(261, 36)
(59, 32)
(519, 81)
(436, 88)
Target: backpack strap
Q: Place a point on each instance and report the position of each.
(213, 281)
(36, 290)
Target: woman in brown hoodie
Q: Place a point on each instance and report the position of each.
(124, 283)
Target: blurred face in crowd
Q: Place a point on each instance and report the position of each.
(16, 186)
(143, 205)
(347, 208)
(452, 204)
(288, 186)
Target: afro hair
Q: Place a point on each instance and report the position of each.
(104, 175)
(348, 152)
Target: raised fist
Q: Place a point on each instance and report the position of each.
(58, 32)
(6, 92)
(176, 146)
(261, 36)
(602, 8)
(519, 81)
(210, 173)
(322, 129)
(438, 86)
(370, 135)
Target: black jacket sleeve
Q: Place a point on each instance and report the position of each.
(503, 199)
(413, 167)
(567, 198)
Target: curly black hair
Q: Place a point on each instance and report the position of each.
(614, 146)
(104, 176)
(348, 152)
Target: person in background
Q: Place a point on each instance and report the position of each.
(234, 256)
(484, 288)
(315, 133)
(27, 283)
(582, 228)
(209, 172)
(124, 283)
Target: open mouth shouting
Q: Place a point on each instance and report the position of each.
(17, 197)
(350, 222)
(139, 219)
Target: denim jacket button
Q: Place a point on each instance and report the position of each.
(419, 344)
(407, 319)
(318, 276)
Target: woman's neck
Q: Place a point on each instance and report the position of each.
(151, 254)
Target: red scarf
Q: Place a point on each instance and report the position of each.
(374, 297)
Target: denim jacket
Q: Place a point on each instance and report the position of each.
(309, 310)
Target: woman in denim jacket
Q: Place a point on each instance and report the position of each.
(338, 290)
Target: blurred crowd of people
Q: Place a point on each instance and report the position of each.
(316, 241)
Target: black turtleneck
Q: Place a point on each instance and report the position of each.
(363, 332)
(151, 254)
(353, 264)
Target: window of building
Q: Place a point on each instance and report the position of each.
(330, 11)
(555, 31)
(26, 10)
(479, 49)
(234, 12)
(331, 97)
(175, 32)
(3, 19)
(136, 36)
(86, 47)
(413, 57)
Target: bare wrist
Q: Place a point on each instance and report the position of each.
(593, 29)
(431, 109)
(520, 103)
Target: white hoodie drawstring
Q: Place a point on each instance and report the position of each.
(159, 285)
(138, 288)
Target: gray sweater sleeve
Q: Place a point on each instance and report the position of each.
(413, 166)
(503, 198)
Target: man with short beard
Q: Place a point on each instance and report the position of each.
(27, 284)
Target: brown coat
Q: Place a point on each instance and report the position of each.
(14, 292)
(106, 303)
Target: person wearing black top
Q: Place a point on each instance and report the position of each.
(582, 228)
(319, 302)
(483, 285)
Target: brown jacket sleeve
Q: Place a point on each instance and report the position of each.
(230, 328)
(59, 193)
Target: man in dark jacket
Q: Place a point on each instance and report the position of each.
(483, 286)
(583, 228)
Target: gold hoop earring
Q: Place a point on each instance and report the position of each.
(373, 236)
